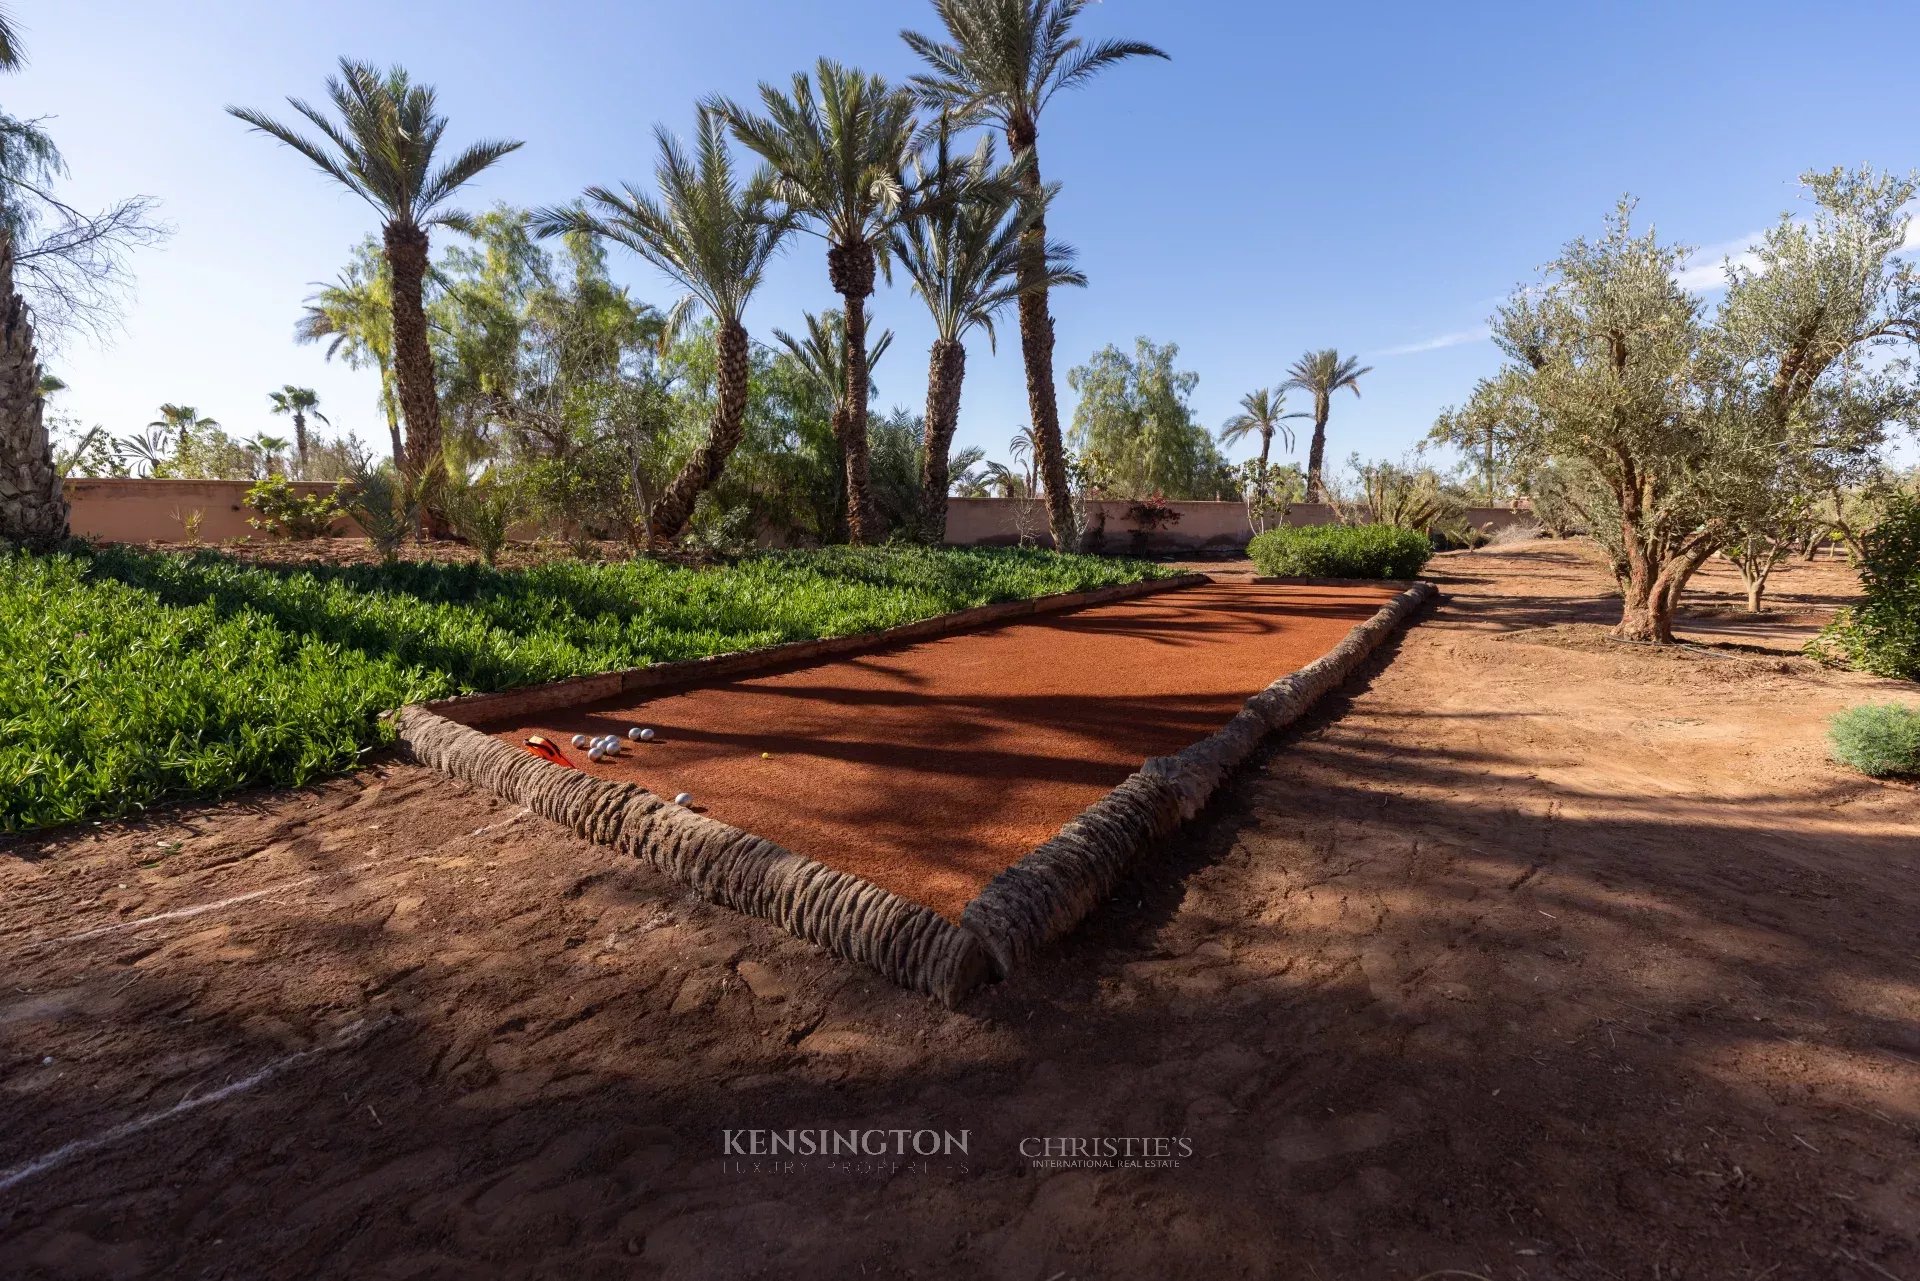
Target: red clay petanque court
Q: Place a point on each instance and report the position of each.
(929, 768)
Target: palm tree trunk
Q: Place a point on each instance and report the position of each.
(300, 443)
(1266, 448)
(850, 268)
(946, 372)
(1036, 346)
(406, 251)
(393, 418)
(670, 514)
(33, 506)
(1317, 456)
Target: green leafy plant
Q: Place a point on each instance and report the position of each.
(481, 511)
(287, 512)
(1880, 739)
(1341, 551)
(1882, 635)
(385, 506)
(130, 677)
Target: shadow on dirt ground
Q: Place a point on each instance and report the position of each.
(1524, 958)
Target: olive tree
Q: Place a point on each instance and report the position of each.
(1671, 425)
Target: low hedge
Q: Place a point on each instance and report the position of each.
(1880, 739)
(1340, 551)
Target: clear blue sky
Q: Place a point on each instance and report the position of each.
(1371, 177)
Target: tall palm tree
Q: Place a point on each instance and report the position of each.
(1262, 413)
(839, 143)
(1321, 373)
(964, 260)
(1003, 61)
(181, 422)
(381, 148)
(354, 316)
(713, 237)
(298, 402)
(33, 505)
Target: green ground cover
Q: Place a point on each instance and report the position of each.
(132, 677)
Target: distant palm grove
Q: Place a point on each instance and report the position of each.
(516, 377)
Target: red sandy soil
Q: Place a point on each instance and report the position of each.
(1530, 956)
(929, 768)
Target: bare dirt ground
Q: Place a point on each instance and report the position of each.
(1530, 956)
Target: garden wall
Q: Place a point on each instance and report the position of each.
(124, 510)
(127, 510)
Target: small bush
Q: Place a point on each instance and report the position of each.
(289, 513)
(481, 511)
(1457, 536)
(1340, 551)
(1880, 739)
(385, 506)
(1882, 635)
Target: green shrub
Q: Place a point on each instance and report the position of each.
(130, 677)
(1880, 739)
(481, 511)
(1882, 635)
(289, 513)
(1340, 551)
(385, 506)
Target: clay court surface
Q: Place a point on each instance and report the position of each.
(1529, 957)
(929, 768)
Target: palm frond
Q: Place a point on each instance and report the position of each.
(379, 141)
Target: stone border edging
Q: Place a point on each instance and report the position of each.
(592, 688)
(851, 917)
(1054, 888)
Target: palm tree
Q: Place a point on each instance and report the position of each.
(1322, 373)
(381, 148)
(270, 448)
(145, 452)
(967, 482)
(822, 354)
(299, 402)
(964, 260)
(33, 504)
(354, 317)
(1024, 448)
(713, 238)
(1261, 413)
(839, 150)
(181, 422)
(1003, 61)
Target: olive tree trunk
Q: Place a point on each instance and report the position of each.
(670, 514)
(946, 372)
(1652, 582)
(1036, 346)
(420, 462)
(33, 508)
